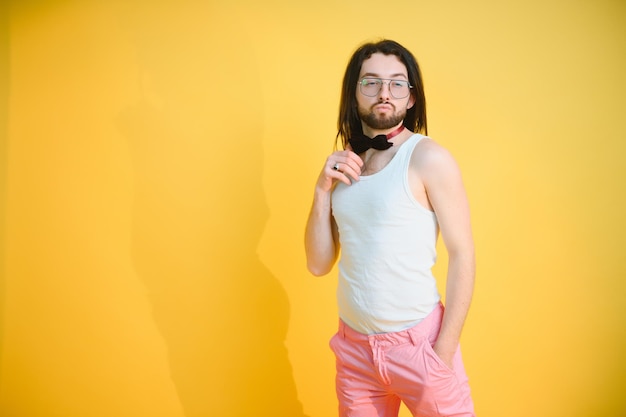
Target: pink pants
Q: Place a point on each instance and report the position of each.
(375, 373)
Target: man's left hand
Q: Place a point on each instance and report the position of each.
(445, 354)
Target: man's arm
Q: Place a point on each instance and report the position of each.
(444, 187)
(321, 243)
(321, 237)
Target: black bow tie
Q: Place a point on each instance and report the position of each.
(361, 143)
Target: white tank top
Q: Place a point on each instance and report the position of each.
(388, 244)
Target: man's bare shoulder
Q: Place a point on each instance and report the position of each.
(431, 157)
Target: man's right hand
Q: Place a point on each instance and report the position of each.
(344, 166)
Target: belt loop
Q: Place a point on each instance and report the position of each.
(342, 329)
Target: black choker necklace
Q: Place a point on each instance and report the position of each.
(361, 143)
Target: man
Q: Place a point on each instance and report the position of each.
(384, 206)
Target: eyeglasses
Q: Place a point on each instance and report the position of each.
(371, 87)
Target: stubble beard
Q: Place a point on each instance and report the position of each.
(381, 122)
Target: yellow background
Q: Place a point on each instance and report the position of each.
(158, 160)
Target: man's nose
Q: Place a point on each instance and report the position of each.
(385, 91)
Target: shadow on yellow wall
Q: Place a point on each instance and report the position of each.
(198, 214)
(161, 141)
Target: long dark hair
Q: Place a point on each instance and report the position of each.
(349, 122)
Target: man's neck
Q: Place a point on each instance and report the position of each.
(390, 133)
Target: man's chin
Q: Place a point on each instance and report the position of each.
(383, 124)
